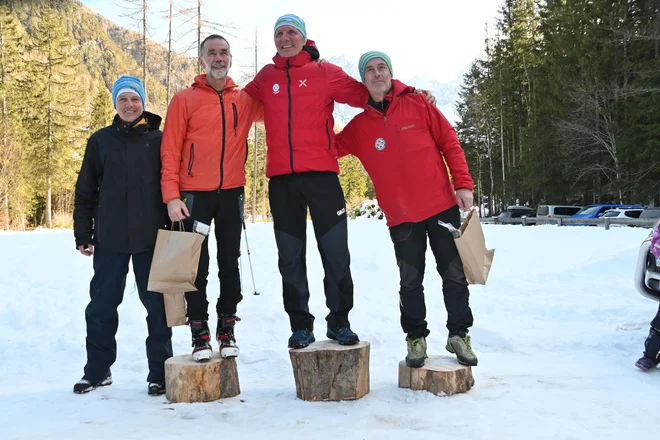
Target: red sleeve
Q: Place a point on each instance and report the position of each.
(174, 135)
(254, 87)
(447, 141)
(344, 140)
(344, 88)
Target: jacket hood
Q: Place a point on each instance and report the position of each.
(308, 53)
(200, 81)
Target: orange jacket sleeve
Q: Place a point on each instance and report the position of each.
(174, 135)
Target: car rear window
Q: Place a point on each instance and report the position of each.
(634, 213)
(611, 214)
(566, 210)
(542, 211)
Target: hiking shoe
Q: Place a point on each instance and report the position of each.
(201, 341)
(85, 386)
(462, 348)
(225, 335)
(416, 352)
(301, 339)
(157, 387)
(343, 335)
(645, 364)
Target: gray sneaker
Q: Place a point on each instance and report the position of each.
(462, 348)
(416, 352)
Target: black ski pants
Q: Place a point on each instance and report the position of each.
(225, 208)
(290, 196)
(410, 249)
(106, 293)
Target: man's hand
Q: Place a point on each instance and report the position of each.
(429, 96)
(177, 210)
(464, 198)
(86, 250)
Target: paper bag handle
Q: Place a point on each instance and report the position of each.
(181, 227)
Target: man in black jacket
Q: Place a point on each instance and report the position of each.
(117, 213)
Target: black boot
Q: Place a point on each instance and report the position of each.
(201, 340)
(225, 335)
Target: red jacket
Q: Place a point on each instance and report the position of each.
(204, 140)
(405, 151)
(298, 95)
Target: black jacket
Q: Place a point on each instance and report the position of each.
(118, 205)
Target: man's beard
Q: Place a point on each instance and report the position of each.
(218, 73)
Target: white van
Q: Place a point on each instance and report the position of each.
(554, 211)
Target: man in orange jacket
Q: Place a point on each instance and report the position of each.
(203, 177)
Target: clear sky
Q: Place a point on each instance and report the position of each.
(434, 38)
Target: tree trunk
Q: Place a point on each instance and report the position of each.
(256, 145)
(328, 371)
(189, 381)
(169, 56)
(439, 375)
(199, 31)
(144, 46)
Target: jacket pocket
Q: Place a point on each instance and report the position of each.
(327, 132)
(191, 159)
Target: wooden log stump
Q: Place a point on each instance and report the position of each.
(439, 375)
(327, 371)
(190, 381)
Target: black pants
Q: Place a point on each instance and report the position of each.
(107, 292)
(410, 248)
(290, 196)
(225, 209)
(652, 343)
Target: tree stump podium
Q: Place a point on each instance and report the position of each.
(327, 371)
(439, 375)
(190, 381)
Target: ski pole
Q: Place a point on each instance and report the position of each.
(247, 246)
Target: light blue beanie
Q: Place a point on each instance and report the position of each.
(368, 56)
(293, 21)
(128, 82)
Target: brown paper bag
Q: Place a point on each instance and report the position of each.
(472, 249)
(174, 269)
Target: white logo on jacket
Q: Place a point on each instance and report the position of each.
(276, 88)
(380, 144)
(341, 211)
(303, 82)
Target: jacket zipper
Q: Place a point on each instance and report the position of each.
(288, 80)
(224, 139)
(327, 132)
(233, 107)
(191, 159)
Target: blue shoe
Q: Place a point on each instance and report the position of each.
(343, 335)
(301, 339)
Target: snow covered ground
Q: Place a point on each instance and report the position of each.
(557, 330)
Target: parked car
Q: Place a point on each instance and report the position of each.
(623, 213)
(597, 211)
(647, 273)
(653, 212)
(554, 211)
(516, 211)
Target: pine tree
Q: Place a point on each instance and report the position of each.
(55, 119)
(101, 114)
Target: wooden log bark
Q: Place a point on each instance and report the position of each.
(190, 381)
(439, 375)
(327, 371)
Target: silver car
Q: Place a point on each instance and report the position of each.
(647, 273)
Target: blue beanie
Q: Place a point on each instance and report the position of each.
(293, 21)
(368, 56)
(128, 82)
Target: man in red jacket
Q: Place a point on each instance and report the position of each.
(404, 143)
(298, 94)
(203, 155)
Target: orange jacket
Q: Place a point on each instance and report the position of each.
(204, 144)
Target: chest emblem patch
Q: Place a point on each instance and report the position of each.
(380, 144)
(276, 89)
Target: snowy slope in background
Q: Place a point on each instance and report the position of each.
(557, 331)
